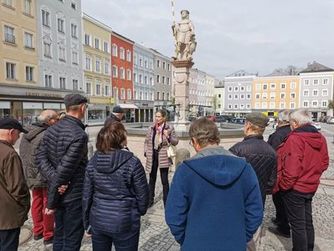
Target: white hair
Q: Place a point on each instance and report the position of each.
(301, 116)
(283, 115)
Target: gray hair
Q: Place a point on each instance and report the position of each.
(301, 116)
(283, 115)
(46, 115)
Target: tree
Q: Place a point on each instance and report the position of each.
(331, 104)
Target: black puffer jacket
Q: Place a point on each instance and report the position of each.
(262, 157)
(276, 138)
(115, 192)
(28, 148)
(62, 159)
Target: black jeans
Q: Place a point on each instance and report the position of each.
(69, 227)
(153, 178)
(9, 239)
(298, 207)
(281, 217)
(103, 241)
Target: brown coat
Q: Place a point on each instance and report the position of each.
(148, 147)
(14, 192)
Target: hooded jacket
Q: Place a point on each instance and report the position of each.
(302, 158)
(214, 202)
(28, 147)
(115, 192)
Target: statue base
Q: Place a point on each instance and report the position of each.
(177, 63)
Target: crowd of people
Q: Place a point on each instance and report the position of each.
(216, 199)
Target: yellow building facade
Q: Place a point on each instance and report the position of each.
(97, 68)
(273, 93)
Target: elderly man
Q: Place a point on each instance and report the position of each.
(275, 139)
(14, 192)
(62, 160)
(116, 115)
(214, 202)
(42, 223)
(302, 158)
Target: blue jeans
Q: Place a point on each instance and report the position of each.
(9, 239)
(127, 241)
(69, 228)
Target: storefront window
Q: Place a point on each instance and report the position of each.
(96, 115)
(4, 109)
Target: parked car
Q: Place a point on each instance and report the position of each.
(238, 120)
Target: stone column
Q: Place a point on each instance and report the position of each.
(181, 70)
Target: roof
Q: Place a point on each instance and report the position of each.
(289, 71)
(122, 37)
(316, 67)
(241, 73)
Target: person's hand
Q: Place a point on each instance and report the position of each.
(49, 211)
(62, 189)
(167, 133)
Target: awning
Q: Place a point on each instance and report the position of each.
(128, 106)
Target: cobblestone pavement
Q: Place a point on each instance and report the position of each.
(155, 234)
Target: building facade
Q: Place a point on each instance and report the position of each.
(316, 90)
(122, 73)
(143, 79)
(238, 93)
(219, 98)
(97, 68)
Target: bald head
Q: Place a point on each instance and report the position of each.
(48, 117)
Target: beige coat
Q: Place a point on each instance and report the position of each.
(148, 147)
(14, 192)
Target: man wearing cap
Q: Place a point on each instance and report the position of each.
(14, 192)
(62, 160)
(259, 154)
(116, 115)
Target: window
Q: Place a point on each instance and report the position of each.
(106, 90)
(293, 85)
(121, 53)
(151, 81)
(282, 105)
(75, 84)
(9, 34)
(168, 67)
(306, 93)
(325, 92)
(48, 80)
(45, 18)
(87, 39)
(74, 31)
(235, 106)
(272, 86)
(242, 88)
(60, 25)
(283, 85)
(163, 96)
(106, 47)
(272, 105)
(128, 56)
(8, 3)
(140, 62)
(264, 95)
(62, 83)
(305, 103)
(114, 50)
(122, 73)
(315, 93)
(73, 5)
(248, 96)
(292, 105)
(272, 95)
(282, 95)
(163, 79)
(27, 7)
(316, 82)
(158, 63)
(264, 105)
(229, 96)
(293, 95)
(10, 71)
(229, 106)
(307, 82)
(258, 87)
(74, 57)
(115, 92)
(236, 96)
(257, 105)
(98, 89)
(114, 71)
(158, 95)
(88, 61)
(315, 103)
(236, 88)
(325, 81)
(248, 106)
(163, 65)
(97, 65)
(88, 88)
(122, 93)
(29, 73)
(242, 96)
(129, 94)
(47, 49)
(230, 88)
(158, 79)
(106, 67)
(28, 40)
(168, 81)
(324, 104)
(135, 77)
(168, 96)
(129, 75)
(97, 43)
(265, 87)
(145, 80)
(61, 53)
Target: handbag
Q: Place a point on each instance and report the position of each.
(171, 151)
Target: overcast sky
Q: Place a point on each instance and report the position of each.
(253, 35)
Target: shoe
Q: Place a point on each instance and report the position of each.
(38, 237)
(48, 242)
(275, 221)
(277, 231)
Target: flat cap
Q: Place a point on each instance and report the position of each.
(258, 119)
(117, 109)
(10, 123)
(74, 99)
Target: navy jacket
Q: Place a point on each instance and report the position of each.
(276, 138)
(62, 159)
(214, 202)
(115, 192)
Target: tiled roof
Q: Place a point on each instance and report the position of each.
(316, 67)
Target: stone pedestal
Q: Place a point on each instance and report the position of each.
(181, 91)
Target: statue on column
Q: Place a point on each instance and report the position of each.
(185, 42)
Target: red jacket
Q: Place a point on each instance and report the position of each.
(301, 160)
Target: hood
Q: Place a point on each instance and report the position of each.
(111, 161)
(310, 135)
(34, 130)
(220, 168)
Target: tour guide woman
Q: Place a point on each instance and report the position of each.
(158, 138)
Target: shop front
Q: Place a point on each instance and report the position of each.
(145, 111)
(98, 109)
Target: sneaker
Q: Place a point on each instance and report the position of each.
(48, 242)
(38, 237)
(277, 231)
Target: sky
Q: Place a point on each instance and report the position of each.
(257, 36)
